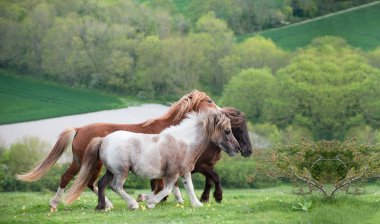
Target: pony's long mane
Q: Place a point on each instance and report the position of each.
(214, 120)
(237, 117)
(184, 105)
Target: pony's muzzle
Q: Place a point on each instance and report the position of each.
(246, 152)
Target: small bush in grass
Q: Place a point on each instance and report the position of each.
(327, 166)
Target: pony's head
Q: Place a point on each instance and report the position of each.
(239, 129)
(193, 101)
(218, 129)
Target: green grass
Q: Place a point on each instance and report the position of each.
(239, 206)
(24, 99)
(359, 27)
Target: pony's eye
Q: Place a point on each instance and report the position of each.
(209, 101)
(227, 132)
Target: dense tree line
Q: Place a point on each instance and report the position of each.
(119, 46)
(327, 88)
(246, 16)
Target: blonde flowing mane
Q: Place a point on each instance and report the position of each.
(211, 121)
(184, 105)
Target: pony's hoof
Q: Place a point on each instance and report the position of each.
(218, 197)
(204, 199)
(151, 205)
(52, 209)
(107, 209)
(134, 206)
(109, 205)
(198, 204)
(100, 207)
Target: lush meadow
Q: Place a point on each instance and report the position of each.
(24, 99)
(359, 27)
(274, 205)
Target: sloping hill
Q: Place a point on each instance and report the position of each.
(360, 26)
(24, 99)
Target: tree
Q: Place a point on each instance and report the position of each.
(249, 92)
(215, 40)
(255, 52)
(33, 29)
(328, 83)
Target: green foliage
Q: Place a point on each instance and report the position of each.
(256, 52)
(329, 83)
(327, 167)
(245, 16)
(20, 157)
(326, 88)
(364, 134)
(305, 206)
(119, 46)
(252, 87)
(374, 57)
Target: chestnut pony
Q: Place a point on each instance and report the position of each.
(81, 137)
(167, 155)
(207, 161)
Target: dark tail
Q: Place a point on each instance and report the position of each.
(64, 140)
(90, 163)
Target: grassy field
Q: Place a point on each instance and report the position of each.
(273, 205)
(359, 27)
(24, 99)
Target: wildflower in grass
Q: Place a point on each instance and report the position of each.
(143, 207)
(180, 205)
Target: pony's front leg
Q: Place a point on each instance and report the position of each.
(152, 199)
(188, 183)
(211, 176)
(177, 193)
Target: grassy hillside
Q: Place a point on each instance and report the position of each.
(359, 27)
(24, 99)
(239, 206)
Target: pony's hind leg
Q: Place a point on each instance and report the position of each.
(91, 185)
(103, 183)
(65, 179)
(117, 186)
(188, 183)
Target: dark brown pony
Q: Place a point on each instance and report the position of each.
(207, 161)
(81, 137)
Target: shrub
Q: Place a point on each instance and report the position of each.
(327, 166)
